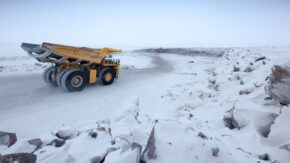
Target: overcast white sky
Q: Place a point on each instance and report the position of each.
(146, 23)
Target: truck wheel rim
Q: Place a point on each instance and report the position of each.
(76, 81)
(108, 77)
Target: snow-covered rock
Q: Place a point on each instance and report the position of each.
(67, 132)
(128, 154)
(36, 142)
(7, 139)
(29, 146)
(278, 86)
(18, 158)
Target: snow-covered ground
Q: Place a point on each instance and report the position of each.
(179, 102)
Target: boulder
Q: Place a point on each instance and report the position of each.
(215, 151)
(202, 135)
(260, 58)
(130, 153)
(264, 157)
(7, 139)
(248, 69)
(246, 91)
(285, 147)
(29, 146)
(150, 148)
(278, 86)
(36, 142)
(19, 158)
(67, 133)
(56, 143)
(236, 69)
(230, 121)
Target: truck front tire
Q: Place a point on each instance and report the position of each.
(106, 76)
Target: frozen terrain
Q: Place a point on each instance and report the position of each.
(167, 106)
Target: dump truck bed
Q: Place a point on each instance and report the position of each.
(56, 53)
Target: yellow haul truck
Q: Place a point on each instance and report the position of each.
(73, 68)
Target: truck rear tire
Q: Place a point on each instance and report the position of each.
(106, 76)
(74, 80)
(47, 76)
(59, 76)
